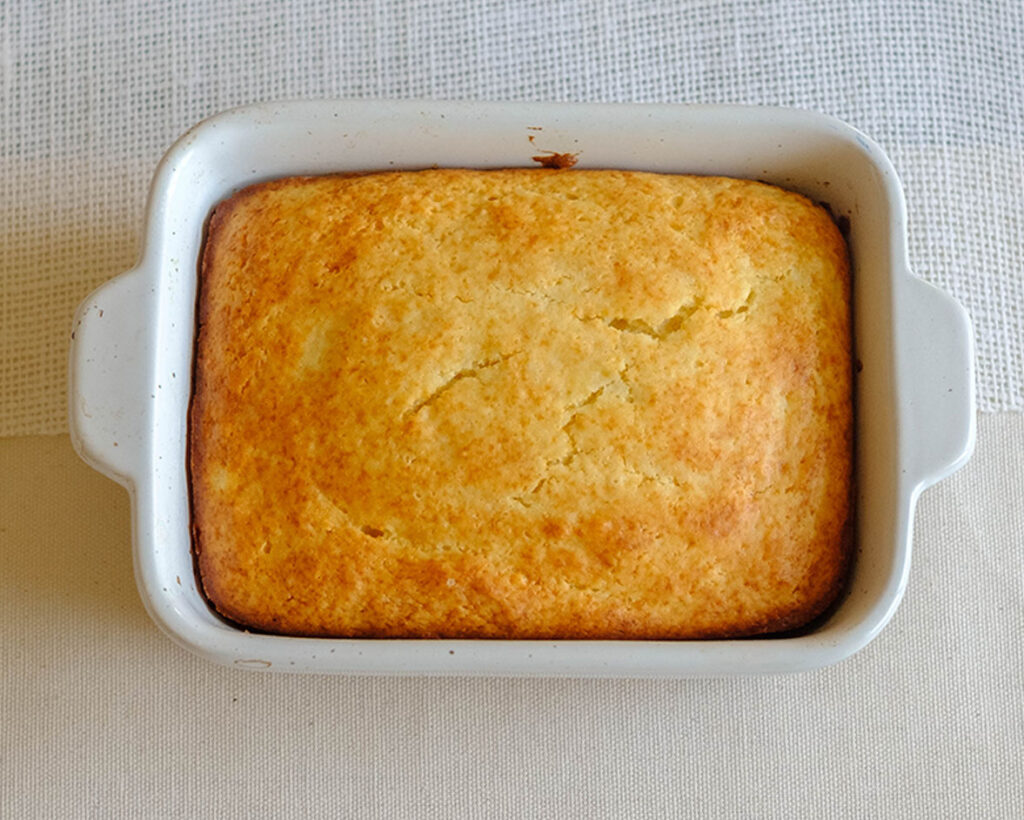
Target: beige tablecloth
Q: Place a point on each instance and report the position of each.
(103, 716)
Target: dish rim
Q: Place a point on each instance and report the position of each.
(133, 465)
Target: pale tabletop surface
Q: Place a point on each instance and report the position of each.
(103, 716)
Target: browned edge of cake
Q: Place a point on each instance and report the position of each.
(782, 626)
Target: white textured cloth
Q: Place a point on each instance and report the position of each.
(103, 716)
(93, 92)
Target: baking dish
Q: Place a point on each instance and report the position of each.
(132, 344)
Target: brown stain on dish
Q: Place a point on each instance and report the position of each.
(553, 159)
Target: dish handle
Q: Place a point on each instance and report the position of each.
(936, 376)
(108, 411)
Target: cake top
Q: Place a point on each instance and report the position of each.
(522, 403)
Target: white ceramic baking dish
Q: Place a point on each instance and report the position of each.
(131, 354)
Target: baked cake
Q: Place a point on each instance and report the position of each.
(521, 403)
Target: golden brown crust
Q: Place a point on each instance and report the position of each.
(521, 404)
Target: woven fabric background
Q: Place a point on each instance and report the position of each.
(94, 92)
(103, 716)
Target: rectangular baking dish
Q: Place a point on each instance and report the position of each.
(132, 345)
